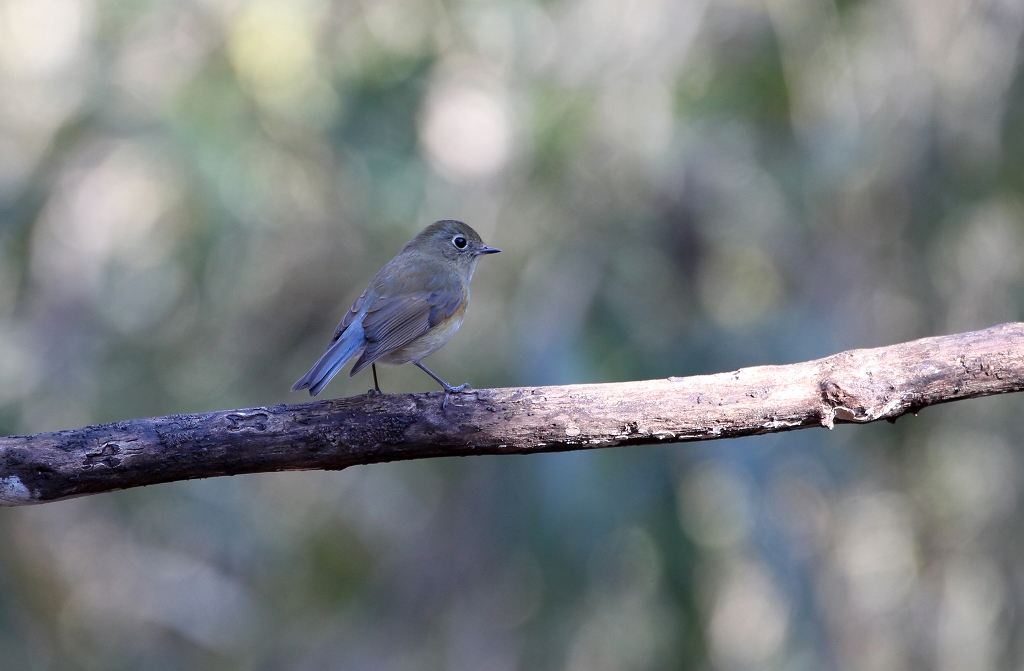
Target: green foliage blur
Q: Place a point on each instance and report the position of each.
(192, 192)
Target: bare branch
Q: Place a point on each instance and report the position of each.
(855, 386)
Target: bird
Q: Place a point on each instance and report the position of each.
(409, 310)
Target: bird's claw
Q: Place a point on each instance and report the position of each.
(449, 390)
(370, 393)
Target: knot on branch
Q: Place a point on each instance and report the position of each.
(106, 456)
(834, 403)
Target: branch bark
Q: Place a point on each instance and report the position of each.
(855, 386)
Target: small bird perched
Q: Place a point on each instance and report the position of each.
(410, 309)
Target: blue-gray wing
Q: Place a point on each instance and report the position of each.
(351, 314)
(393, 322)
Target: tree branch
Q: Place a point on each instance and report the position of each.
(855, 386)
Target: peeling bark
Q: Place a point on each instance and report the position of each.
(855, 386)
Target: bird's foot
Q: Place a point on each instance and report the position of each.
(449, 390)
(370, 393)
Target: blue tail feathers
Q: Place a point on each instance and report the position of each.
(341, 350)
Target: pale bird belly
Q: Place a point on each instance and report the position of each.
(426, 344)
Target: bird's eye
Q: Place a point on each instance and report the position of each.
(459, 241)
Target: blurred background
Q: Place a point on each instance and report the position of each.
(192, 192)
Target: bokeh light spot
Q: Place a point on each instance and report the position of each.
(466, 132)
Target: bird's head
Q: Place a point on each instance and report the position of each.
(452, 240)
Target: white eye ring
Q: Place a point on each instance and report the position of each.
(459, 242)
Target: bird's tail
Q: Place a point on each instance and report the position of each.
(340, 351)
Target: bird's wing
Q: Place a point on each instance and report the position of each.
(390, 281)
(346, 321)
(393, 322)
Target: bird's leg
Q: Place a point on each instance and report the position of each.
(376, 387)
(448, 389)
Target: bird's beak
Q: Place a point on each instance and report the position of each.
(488, 250)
